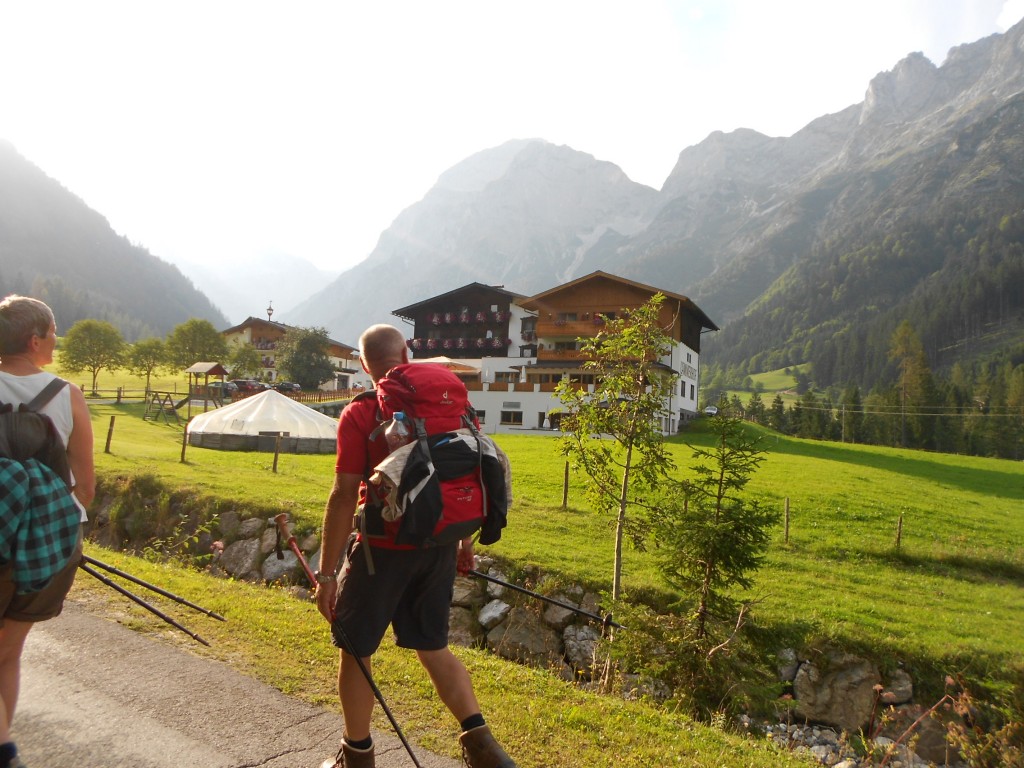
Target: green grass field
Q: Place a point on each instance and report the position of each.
(949, 600)
(951, 593)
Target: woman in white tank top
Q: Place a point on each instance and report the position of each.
(28, 335)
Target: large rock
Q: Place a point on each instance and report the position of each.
(254, 526)
(268, 541)
(927, 732)
(228, 523)
(580, 640)
(900, 689)
(556, 616)
(463, 628)
(838, 691)
(493, 613)
(495, 590)
(241, 559)
(467, 592)
(285, 568)
(524, 637)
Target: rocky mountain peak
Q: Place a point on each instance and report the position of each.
(903, 92)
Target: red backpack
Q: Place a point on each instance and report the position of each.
(443, 480)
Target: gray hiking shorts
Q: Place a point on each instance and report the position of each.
(411, 590)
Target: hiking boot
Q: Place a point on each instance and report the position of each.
(480, 750)
(350, 757)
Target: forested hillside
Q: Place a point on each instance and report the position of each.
(55, 248)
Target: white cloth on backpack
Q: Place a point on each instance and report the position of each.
(387, 475)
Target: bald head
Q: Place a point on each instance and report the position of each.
(381, 348)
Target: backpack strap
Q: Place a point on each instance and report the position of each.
(45, 395)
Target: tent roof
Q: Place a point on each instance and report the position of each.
(268, 411)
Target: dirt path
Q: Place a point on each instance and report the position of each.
(97, 694)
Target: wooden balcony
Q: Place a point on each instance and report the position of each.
(560, 355)
(570, 328)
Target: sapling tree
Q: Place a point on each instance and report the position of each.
(613, 434)
(710, 538)
(144, 357)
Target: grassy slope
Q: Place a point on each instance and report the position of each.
(949, 600)
(543, 721)
(839, 576)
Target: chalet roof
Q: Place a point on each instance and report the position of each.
(705, 321)
(409, 311)
(210, 369)
(259, 322)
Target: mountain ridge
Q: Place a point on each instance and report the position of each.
(739, 212)
(56, 248)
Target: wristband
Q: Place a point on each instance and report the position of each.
(325, 578)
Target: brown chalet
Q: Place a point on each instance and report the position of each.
(264, 336)
(513, 350)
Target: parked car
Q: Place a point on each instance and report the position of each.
(247, 385)
(287, 386)
(221, 389)
(711, 410)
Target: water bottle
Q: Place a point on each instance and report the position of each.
(397, 432)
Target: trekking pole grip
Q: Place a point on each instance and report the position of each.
(283, 533)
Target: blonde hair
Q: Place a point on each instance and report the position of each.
(21, 318)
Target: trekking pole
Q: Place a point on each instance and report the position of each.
(147, 585)
(605, 620)
(282, 527)
(114, 585)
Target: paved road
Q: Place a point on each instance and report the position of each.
(97, 695)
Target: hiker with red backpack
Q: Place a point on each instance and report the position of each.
(48, 452)
(450, 477)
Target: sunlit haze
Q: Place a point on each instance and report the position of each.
(225, 130)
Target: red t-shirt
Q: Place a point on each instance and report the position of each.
(358, 455)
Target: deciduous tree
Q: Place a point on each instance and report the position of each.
(302, 356)
(92, 345)
(613, 434)
(144, 357)
(195, 341)
(246, 362)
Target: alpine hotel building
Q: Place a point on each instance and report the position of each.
(512, 350)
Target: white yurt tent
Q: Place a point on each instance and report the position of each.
(254, 424)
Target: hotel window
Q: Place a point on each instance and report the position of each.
(514, 418)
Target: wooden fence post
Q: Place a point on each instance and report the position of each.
(110, 433)
(277, 450)
(899, 532)
(565, 487)
(787, 519)
(184, 441)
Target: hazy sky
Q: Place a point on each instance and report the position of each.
(224, 129)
